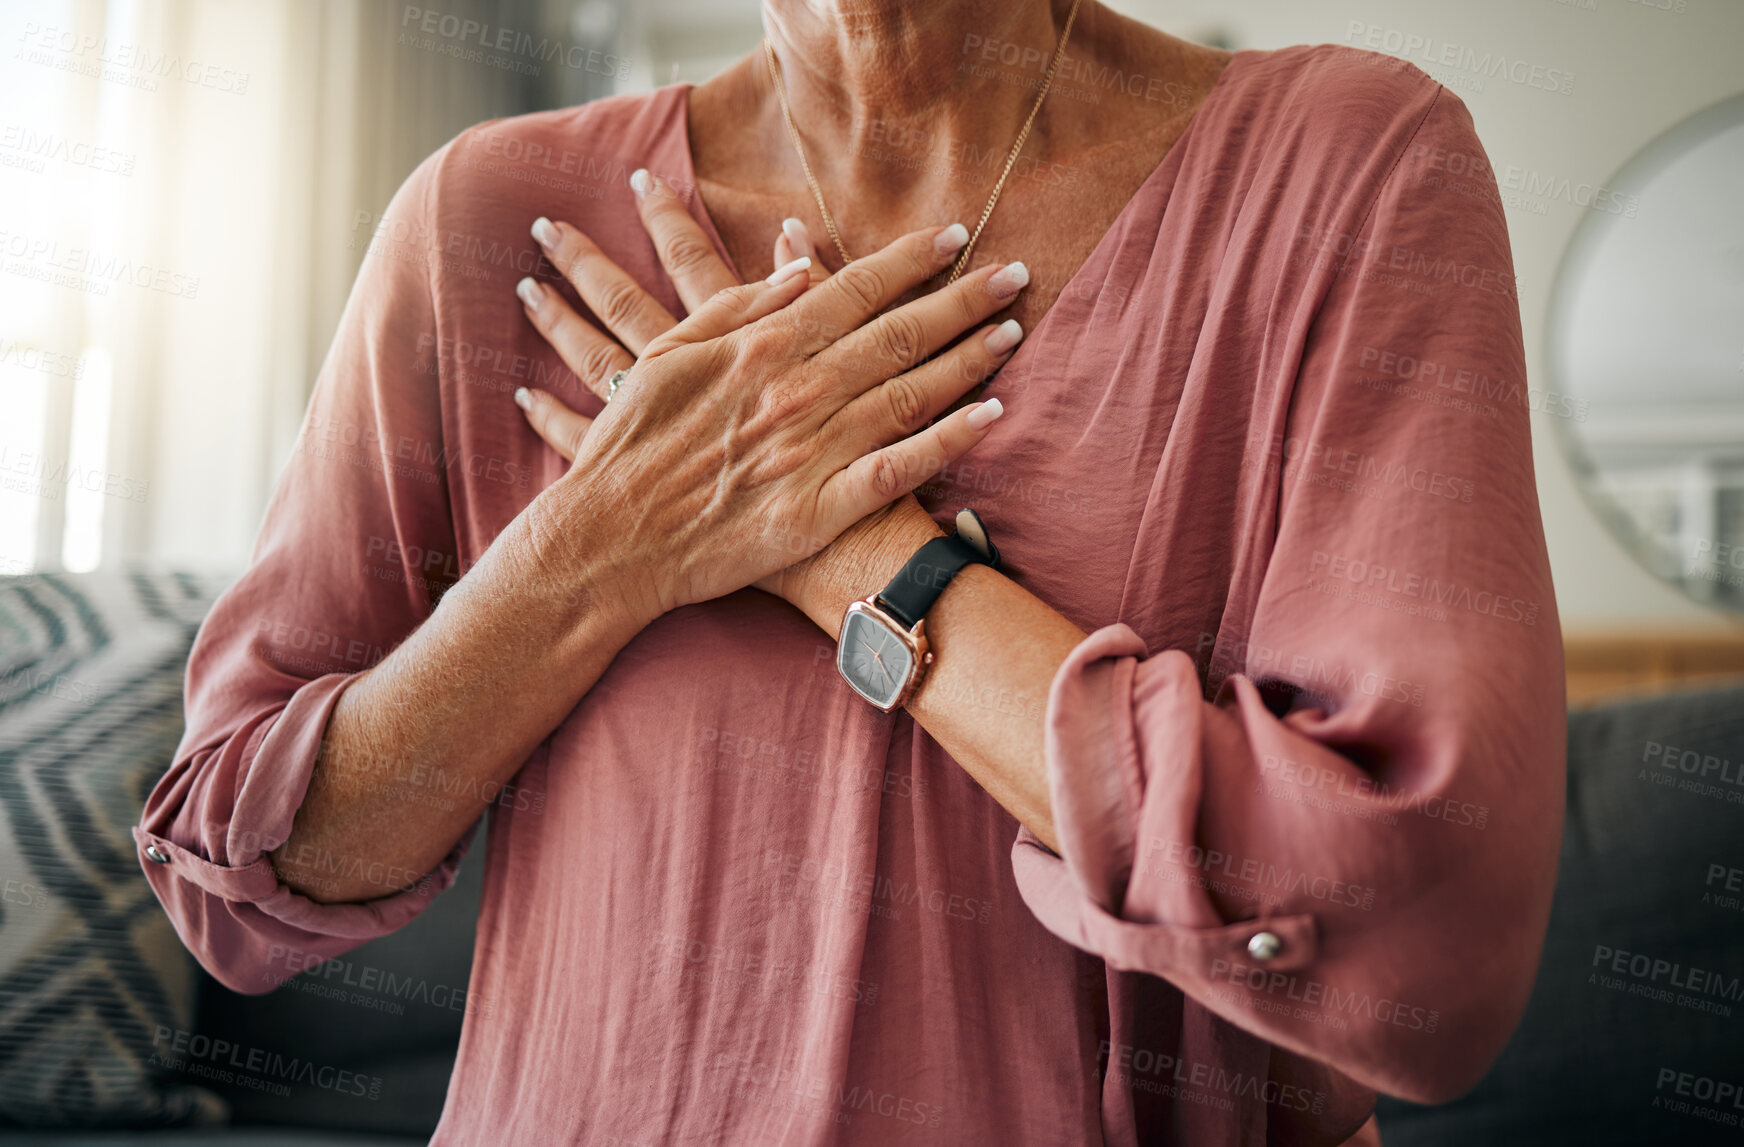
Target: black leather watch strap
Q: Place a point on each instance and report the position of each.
(920, 582)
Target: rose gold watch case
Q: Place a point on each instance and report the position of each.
(915, 640)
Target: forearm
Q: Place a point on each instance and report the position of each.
(420, 744)
(996, 648)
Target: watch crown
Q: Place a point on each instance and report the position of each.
(928, 659)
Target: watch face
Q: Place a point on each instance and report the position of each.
(873, 658)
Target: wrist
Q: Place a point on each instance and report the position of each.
(581, 559)
(861, 562)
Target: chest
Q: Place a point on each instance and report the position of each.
(1090, 189)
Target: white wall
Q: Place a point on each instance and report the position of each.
(1637, 69)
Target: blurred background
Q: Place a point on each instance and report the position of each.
(187, 189)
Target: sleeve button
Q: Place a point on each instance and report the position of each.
(157, 854)
(1264, 945)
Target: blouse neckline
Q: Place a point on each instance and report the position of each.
(1158, 182)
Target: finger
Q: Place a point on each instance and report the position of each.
(899, 339)
(591, 355)
(866, 286)
(561, 428)
(798, 238)
(879, 478)
(726, 311)
(800, 246)
(906, 403)
(627, 310)
(685, 250)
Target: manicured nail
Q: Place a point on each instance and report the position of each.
(640, 182)
(531, 293)
(782, 274)
(985, 413)
(523, 398)
(1004, 336)
(1008, 280)
(951, 239)
(546, 233)
(797, 236)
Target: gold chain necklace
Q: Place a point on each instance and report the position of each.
(1010, 160)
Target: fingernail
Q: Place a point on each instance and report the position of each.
(531, 292)
(797, 235)
(1004, 336)
(1008, 280)
(640, 182)
(546, 233)
(523, 398)
(951, 239)
(985, 414)
(782, 274)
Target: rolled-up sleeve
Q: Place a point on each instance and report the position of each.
(356, 544)
(1337, 824)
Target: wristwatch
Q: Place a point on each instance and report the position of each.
(882, 651)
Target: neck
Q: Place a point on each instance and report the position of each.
(896, 92)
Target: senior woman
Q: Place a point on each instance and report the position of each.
(1230, 792)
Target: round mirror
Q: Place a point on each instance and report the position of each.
(1646, 338)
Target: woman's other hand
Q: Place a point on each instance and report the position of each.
(755, 432)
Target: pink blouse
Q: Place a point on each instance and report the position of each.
(1270, 447)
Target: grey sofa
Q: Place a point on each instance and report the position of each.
(1588, 1064)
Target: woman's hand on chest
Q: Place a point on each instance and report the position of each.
(775, 434)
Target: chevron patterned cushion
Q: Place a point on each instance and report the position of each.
(91, 669)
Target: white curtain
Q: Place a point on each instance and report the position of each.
(152, 384)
